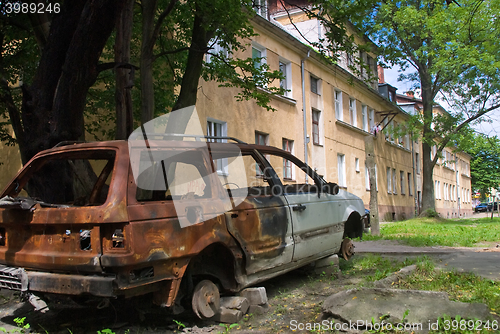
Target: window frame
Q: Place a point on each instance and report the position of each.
(339, 112)
(316, 129)
(223, 168)
(287, 145)
(341, 170)
(352, 112)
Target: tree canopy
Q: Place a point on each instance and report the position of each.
(453, 50)
(485, 163)
(58, 66)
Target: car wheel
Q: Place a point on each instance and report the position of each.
(206, 299)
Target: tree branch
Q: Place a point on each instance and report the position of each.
(164, 53)
(161, 18)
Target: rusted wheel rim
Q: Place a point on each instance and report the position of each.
(206, 299)
(347, 248)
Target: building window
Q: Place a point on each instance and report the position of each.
(367, 178)
(338, 105)
(216, 129)
(288, 171)
(342, 170)
(402, 181)
(394, 183)
(389, 180)
(260, 139)
(315, 126)
(216, 51)
(364, 116)
(315, 85)
(371, 117)
(286, 71)
(410, 181)
(417, 163)
(356, 164)
(260, 7)
(258, 55)
(352, 112)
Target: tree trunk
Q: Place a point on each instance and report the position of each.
(38, 99)
(189, 86)
(124, 80)
(147, 87)
(428, 200)
(53, 105)
(370, 163)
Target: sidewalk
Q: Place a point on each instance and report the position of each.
(481, 261)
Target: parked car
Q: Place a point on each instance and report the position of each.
(177, 220)
(482, 207)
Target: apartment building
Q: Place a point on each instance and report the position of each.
(325, 117)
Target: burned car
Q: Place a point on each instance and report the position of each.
(179, 220)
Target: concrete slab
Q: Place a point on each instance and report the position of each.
(358, 309)
(482, 262)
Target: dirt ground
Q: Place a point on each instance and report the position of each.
(294, 296)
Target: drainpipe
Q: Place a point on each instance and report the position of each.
(414, 174)
(458, 186)
(304, 107)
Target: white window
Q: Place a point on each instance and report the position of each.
(258, 55)
(389, 180)
(218, 129)
(402, 181)
(436, 189)
(367, 178)
(356, 164)
(216, 51)
(342, 170)
(364, 114)
(352, 112)
(260, 139)
(316, 116)
(260, 7)
(407, 141)
(394, 182)
(371, 116)
(338, 105)
(410, 181)
(439, 189)
(417, 162)
(286, 70)
(288, 170)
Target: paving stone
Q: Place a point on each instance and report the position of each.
(255, 296)
(235, 303)
(258, 309)
(332, 261)
(228, 316)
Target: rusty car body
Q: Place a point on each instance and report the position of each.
(103, 236)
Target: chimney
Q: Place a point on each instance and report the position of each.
(410, 93)
(381, 78)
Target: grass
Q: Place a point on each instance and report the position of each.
(373, 267)
(464, 287)
(441, 232)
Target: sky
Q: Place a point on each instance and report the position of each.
(490, 129)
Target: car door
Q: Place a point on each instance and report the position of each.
(316, 215)
(259, 220)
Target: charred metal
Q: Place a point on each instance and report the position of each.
(181, 221)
